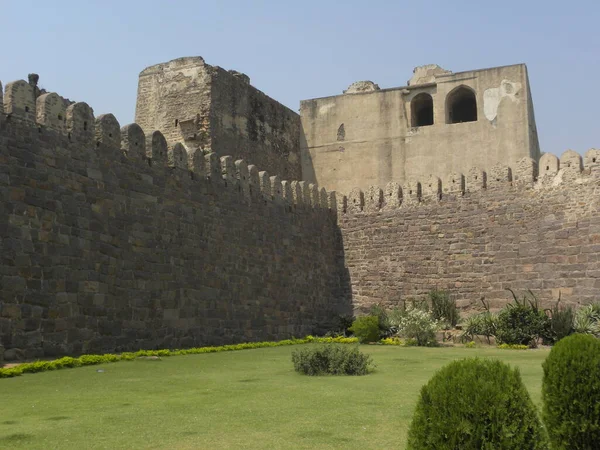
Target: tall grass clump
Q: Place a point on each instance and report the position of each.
(561, 322)
(475, 404)
(571, 393)
(443, 308)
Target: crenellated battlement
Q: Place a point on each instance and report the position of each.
(552, 173)
(77, 123)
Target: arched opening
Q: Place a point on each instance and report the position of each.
(421, 108)
(461, 105)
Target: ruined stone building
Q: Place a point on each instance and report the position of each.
(222, 216)
(440, 123)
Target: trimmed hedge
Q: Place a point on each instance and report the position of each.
(571, 393)
(475, 404)
(88, 360)
(512, 347)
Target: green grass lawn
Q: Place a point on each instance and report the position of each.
(249, 399)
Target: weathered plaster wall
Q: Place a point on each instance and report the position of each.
(216, 110)
(381, 145)
(543, 236)
(113, 241)
(373, 136)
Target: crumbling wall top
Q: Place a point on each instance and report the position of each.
(174, 64)
(426, 74)
(359, 87)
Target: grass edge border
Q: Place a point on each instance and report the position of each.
(93, 359)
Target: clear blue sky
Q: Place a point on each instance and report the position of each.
(92, 51)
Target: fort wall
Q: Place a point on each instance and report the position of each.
(478, 235)
(113, 240)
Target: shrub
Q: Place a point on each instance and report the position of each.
(475, 404)
(443, 308)
(386, 329)
(418, 325)
(366, 328)
(522, 322)
(470, 344)
(331, 360)
(571, 393)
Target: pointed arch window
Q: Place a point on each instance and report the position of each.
(461, 105)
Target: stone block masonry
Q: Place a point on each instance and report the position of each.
(113, 241)
(502, 228)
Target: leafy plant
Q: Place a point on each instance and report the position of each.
(482, 324)
(470, 344)
(587, 320)
(366, 328)
(443, 308)
(331, 360)
(571, 393)
(475, 404)
(418, 324)
(521, 322)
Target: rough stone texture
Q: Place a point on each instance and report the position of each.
(382, 143)
(544, 237)
(207, 107)
(104, 252)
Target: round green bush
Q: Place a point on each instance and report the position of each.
(571, 393)
(475, 404)
(520, 324)
(366, 328)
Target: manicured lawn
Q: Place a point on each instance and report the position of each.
(249, 399)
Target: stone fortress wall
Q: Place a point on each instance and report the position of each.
(479, 234)
(123, 238)
(113, 240)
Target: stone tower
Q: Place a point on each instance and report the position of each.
(440, 123)
(211, 109)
